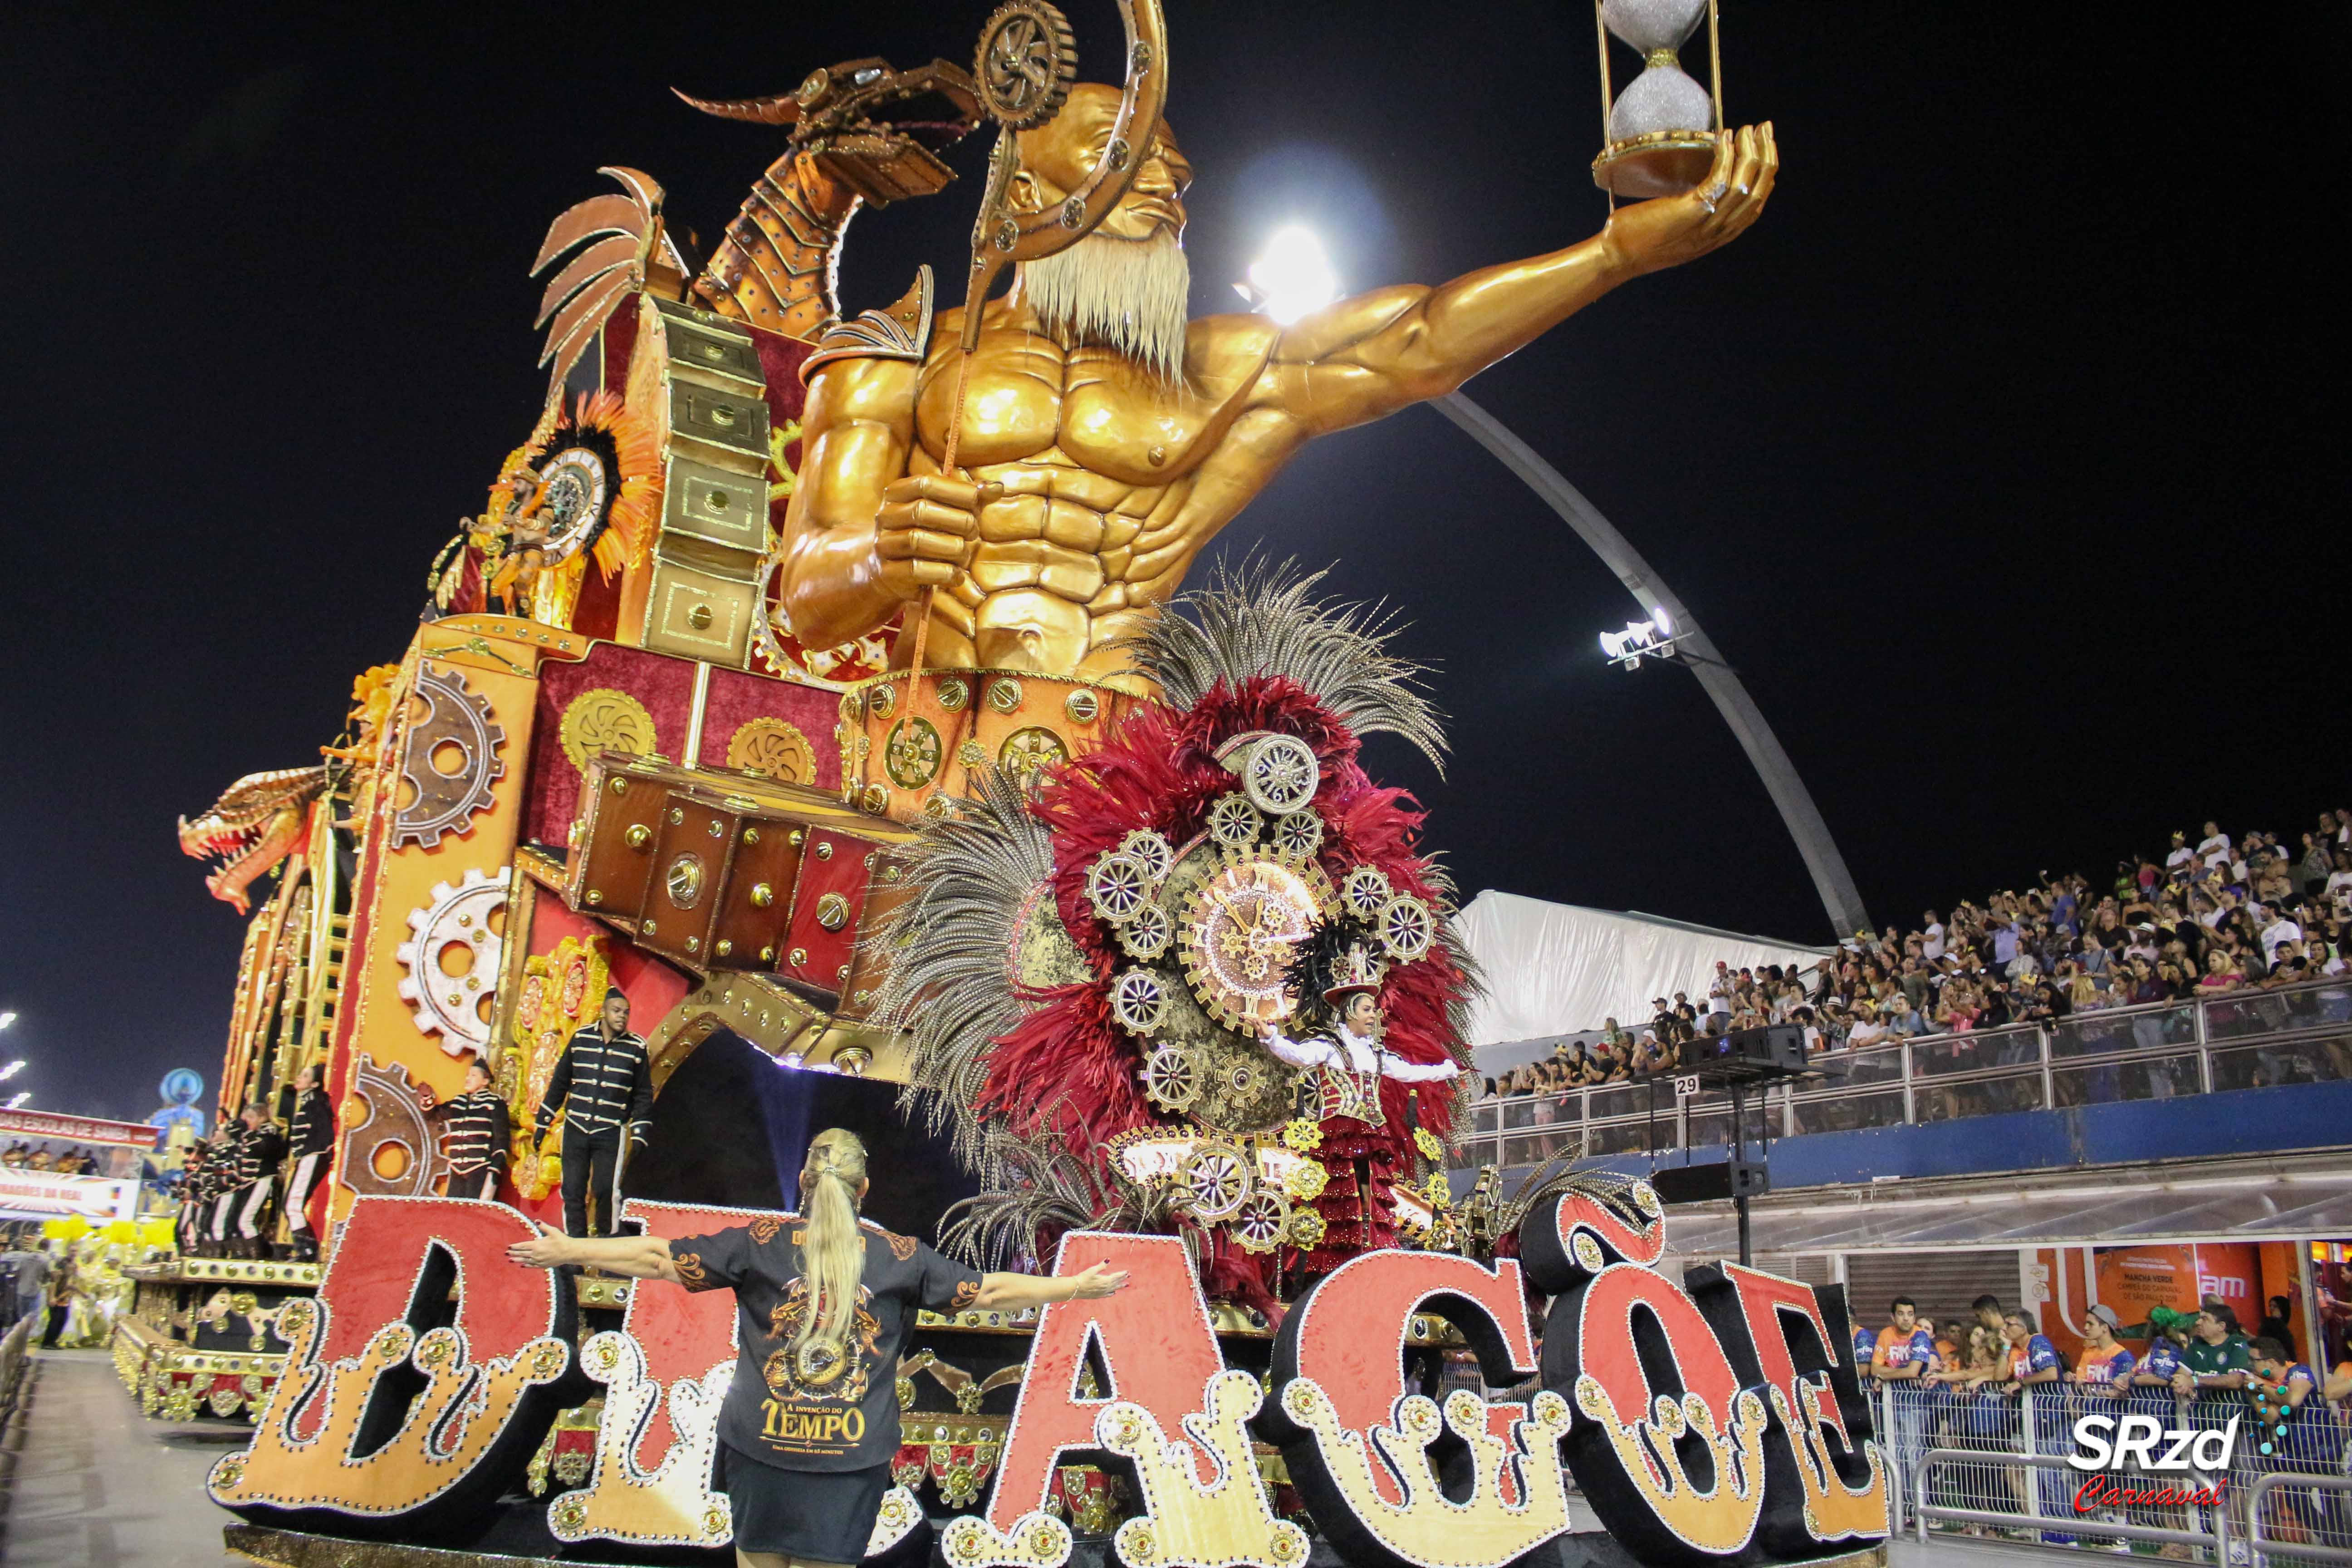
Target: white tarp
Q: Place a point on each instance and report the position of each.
(1557, 969)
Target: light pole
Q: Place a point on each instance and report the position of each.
(1293, 279)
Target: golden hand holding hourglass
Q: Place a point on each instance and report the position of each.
(1667, 139)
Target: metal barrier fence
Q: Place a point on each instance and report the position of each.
(13, 1346)
(1993, 1464)
(2239, 1040)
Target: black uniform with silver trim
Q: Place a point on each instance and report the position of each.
(195, 1196)
(229, 1148)
(314, 1145)
(604, 1088)
(476, 1130)
(259, 1155)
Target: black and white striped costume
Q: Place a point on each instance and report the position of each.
(221, 1171)
(195, 1198)
(604, 1088)
(259, 1155)
(314, 1145)
(476, 1129)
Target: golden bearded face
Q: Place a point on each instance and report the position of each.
(1058, 155)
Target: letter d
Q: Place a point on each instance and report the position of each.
(2220, 1444)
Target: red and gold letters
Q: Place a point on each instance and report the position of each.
(1704, 1420)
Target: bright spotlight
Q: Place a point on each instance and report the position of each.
(11, 1070)
(17, 1101)
(6, 1019)
(1638, 640)
(1292, 278)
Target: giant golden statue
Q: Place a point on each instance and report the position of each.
(1105, 438)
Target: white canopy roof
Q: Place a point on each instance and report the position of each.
(1558, 969)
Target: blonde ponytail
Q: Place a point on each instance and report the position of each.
(832, 1254)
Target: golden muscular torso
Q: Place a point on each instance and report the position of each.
(1112, 484)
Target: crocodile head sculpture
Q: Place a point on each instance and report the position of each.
(257, 823)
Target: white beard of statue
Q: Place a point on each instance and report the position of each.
(1129, 296)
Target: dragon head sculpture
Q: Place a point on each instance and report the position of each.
(257, 823)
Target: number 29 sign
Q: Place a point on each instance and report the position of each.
(1710, 1420)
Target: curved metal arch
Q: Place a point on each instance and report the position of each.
(1832, 880)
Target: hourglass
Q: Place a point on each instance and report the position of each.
(1660, 131)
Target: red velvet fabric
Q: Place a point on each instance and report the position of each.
(736, 698)
(666, 687)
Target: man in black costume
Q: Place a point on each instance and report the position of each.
(313, 1121)
(259, 1154)
(604, 1085)
(476, 1129)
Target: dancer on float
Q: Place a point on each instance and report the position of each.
(811, 1420)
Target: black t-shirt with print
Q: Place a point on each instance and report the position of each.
(845, 1417)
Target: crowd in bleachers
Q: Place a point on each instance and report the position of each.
(2217, 914)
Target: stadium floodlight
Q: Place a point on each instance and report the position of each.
(17, 1101)
(1292, 277)
(6, 1019)
(1653, 639)
(11, 1070)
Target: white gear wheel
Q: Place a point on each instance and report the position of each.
(1151, 848)
(1146, 932)
(1365, 892)
(1235, 823)
(1138, 1000)
(1407, 928)
(1300, 835)
(445, 1004)
(1281, 775)
(1171, 1079)
(1118, 885)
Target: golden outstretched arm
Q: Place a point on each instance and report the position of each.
(1088, 487)
(1377, 352)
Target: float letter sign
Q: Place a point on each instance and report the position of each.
(665, 1372)
(419, 1382)
(1707, 1421)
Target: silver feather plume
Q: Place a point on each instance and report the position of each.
(1033, 1194)
(1260, 619)
(950, 984)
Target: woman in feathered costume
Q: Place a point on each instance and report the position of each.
(1020, 990)
(1337, 979)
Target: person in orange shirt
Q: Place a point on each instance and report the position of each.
(2104, 1366)
(1948, 1354)
(1905, 1349)
(1905, 1355)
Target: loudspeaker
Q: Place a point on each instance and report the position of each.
(1707, 1184)
(1779, 1046)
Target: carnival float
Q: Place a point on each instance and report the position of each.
(824, 683)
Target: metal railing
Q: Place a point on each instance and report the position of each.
(1994, 1463)
(2165, 1050)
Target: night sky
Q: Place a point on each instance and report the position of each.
(1992, 456)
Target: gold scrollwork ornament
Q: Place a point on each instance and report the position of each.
(1029, 751)
(911, 758)
(774, 747)
(604, 720)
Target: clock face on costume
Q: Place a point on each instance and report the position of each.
(1237, 933)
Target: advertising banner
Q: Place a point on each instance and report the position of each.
(37, 1194)
(2134, 1279)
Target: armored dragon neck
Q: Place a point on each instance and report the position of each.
(776, 265)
